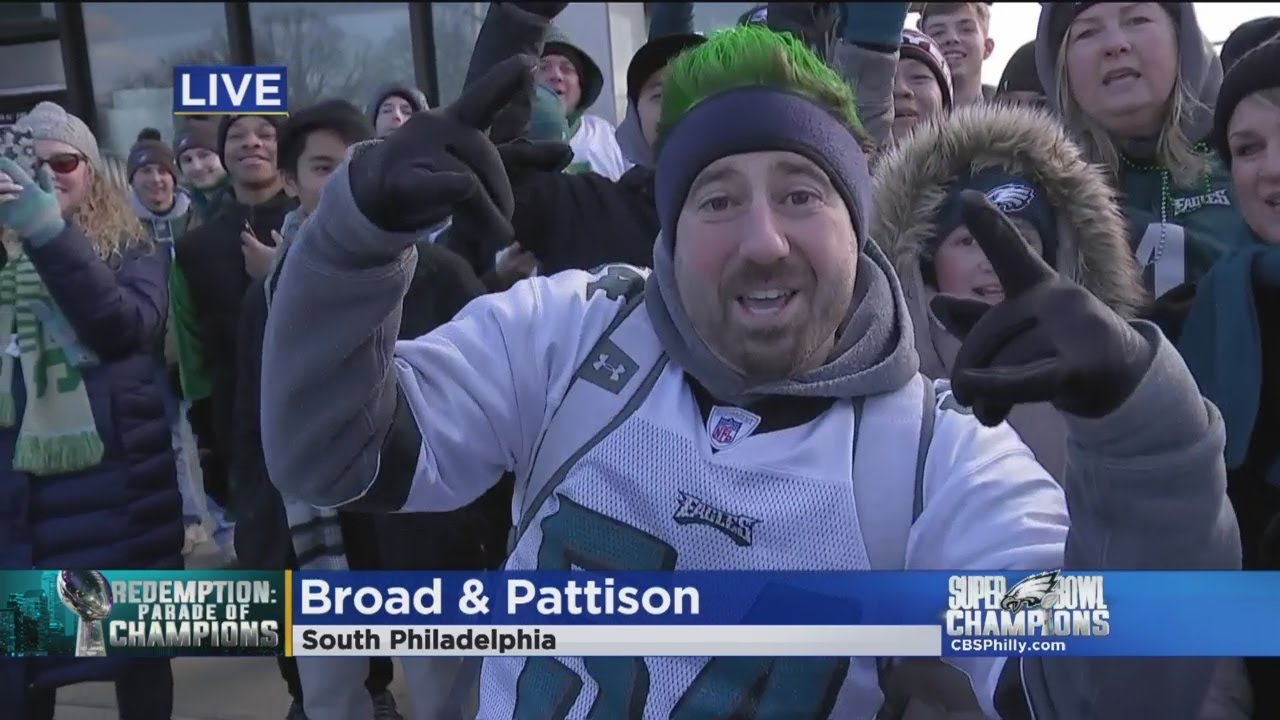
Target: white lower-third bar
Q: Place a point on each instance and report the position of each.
(630, 640)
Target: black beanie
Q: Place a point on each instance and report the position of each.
(1020, 72)
(1253, 71)
(1247, 37)
(150, 149)
(225, 126)
(653, 56)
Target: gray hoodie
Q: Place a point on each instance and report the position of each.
(1147, 484)
(164, 227)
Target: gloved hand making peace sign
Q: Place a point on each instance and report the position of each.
(1050, 340)
(441, 163)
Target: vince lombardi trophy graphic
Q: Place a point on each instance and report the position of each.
(87, 594)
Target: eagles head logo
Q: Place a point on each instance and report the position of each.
(1037, 591)
(1011, 198)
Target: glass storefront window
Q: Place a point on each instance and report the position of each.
(31, 68)
(334, 50)
(132, 50)
(709, 17)
(456, 27)
(27, 11)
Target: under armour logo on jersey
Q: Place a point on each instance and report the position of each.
(615, 371)
(1011, 198)
(610, 367)
(692, 510)
(728, 426)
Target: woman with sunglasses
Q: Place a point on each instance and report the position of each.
(87, 475)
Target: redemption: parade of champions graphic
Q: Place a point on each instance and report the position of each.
(126, 613)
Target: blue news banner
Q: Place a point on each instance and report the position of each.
(1122, 614)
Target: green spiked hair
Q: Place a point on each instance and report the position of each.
(748, 56)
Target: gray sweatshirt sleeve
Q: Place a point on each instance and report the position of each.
(870, 72)
(1146, 490)
(329, 392)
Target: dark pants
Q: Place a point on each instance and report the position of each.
(143, 692)
(360, 542)
(381, 672)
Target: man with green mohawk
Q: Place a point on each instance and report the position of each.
(760, 383)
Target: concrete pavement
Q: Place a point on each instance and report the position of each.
(206, 688)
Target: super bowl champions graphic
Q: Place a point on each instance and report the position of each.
(123, 613)
(993, 614)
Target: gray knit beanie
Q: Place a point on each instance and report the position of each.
(48, 121)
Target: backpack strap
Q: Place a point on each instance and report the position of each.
(612, 381)
(909, 685)
(886, 511)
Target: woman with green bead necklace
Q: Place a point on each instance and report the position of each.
(1136, 83)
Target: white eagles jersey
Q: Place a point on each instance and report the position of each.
(655, 493)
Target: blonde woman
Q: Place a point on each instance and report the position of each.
(87, 476)
(1135, 83)
(1228, 327)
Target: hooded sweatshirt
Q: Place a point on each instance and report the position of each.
(912, 183)
(1177, 239)
(592, 137)
(170, 226)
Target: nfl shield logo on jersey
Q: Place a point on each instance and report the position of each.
(727, 426)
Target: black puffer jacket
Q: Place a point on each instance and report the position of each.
(581, 221)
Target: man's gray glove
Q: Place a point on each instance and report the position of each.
(1049, 340)
(441, 163)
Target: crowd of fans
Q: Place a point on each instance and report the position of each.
(172, 381)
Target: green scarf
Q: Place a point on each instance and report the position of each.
(1221, 342)
(58, 433)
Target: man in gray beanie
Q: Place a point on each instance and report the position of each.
(204, 178)
(393, 104)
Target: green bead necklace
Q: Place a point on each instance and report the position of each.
(1166, 193)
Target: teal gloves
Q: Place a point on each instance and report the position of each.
(34, 214)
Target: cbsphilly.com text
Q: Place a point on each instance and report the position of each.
(1006, 646)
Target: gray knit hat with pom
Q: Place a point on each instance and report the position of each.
(48, 121)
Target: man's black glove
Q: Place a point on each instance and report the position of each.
(1050, 340)
(441, 163)
(548, 10)
(521, 157)
(813, 23)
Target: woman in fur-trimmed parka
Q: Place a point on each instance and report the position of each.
(1022, 159)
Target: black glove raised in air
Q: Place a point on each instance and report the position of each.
(1050, 340)
(441, 163)
(548, 10)
(522, 157)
